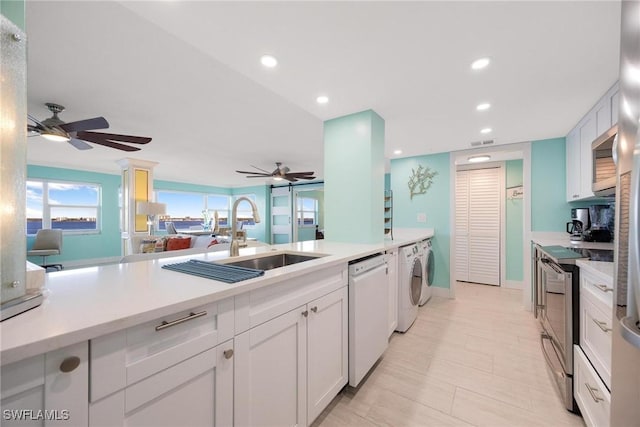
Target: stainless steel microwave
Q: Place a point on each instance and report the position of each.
(604, 163)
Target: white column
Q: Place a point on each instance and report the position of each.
(137, 186)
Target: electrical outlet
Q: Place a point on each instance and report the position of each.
(422, 217)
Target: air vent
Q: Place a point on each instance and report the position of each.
(487, 142)
(476, 143)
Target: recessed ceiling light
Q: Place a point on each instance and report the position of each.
(483, 106)
(477, 159)
(397, 152)
(322, 99)
(479, 64)
(486, 130)
(268, 61)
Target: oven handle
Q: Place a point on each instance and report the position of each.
(545, 336)
(551, 267)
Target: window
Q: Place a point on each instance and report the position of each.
(307, 211)
(188, 209)
(71, 206)
(245, 213)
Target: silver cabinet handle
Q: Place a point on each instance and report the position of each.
(314, 309)
(305, 313)
(601, 325)
(592, 392)
(603, 288)
(228, 354)
(69, 364)
(191, 316)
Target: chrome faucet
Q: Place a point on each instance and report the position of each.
(233, 249)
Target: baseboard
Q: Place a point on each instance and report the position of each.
(91, 262)
(441, 292)
(512, 284)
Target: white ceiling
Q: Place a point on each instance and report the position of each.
(188, 75)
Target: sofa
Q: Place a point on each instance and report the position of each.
(155, 247)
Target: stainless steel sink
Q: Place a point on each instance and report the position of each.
(273, 261)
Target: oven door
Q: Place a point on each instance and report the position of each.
(556, 309)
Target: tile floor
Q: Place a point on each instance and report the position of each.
(470, 361)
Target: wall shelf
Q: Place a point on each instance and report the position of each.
(388, 213)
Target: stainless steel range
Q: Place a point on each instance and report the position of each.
(557, 284)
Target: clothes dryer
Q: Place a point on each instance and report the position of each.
(410, 279)
(428, 264)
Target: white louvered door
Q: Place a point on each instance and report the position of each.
(462, 226)
(478, 193)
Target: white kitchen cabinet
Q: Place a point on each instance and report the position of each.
(290, 367)
(175, 370)
(579, 159)
(596, 322)
(587, 131)
(195, 392)
(51, 389)
(593, 398)
(392, 275)
(573, 165)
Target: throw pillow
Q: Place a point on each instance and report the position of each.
(213, 242)
(176, 243)
(147, 246)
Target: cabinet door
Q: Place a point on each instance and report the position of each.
(392, 274)
(327, 345)
(49, 390)
(573, 165)
(196, 392)
(587, 135)
(603, 115)
(271, 372)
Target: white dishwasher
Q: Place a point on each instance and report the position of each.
(368, 315)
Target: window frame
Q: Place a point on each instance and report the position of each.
(301, 211)
(47, 222)
(205, 202)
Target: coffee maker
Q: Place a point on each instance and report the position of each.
(579, 223)
(602, 223)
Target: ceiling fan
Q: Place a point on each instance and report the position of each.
(79, 133)
(281, 172)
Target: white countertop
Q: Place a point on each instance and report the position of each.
(548, 238)
(86, 303)
(602, 270)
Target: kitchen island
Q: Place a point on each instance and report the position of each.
(214, 337)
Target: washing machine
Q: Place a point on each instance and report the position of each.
(410, 274)
(428, 272)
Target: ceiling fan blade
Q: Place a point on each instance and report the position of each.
(255, 173)
(80, 144)
(303, 177)
(80, 125)
(299, 174)
(92, 137)
(290, 179)
(260, 169)
(115, 137)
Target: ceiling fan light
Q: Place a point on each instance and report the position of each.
(277, 178)
(55, 137)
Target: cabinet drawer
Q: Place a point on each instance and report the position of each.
(596, 338)
(256, 307)
(590, 393)
(128, 356)
(596, 289)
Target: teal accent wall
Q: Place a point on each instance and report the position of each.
(354, 178)
(261, 230)
(14, 10)
(514, 226)
(104, 244)
(435, 204)
(549, 207)
(387, 181)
